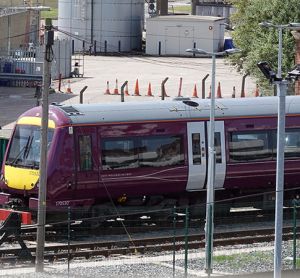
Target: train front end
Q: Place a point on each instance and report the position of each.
(20, 172)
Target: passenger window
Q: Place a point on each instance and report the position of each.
(85, 153)
(159, 151)
(292, 143)
(149, 151)
(196, 148)
(118, 154)
(246, 146)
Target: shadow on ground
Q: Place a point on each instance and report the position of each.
(15, 101)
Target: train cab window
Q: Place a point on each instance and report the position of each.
(246, 146)
(119, 154)
(85, 153)
(160, 151)
(196, 148)
(218, 147)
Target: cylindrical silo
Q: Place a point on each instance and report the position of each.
(104, 25)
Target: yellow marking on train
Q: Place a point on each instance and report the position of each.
(34, 121)
(19, 178)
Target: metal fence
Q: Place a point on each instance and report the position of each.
(23, 67)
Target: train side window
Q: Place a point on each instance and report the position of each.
(119, 154)
(160, 151)
(250, 146)
(85, 153)
(196, 148)
(292, 143)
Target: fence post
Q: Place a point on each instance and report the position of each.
(186, 245)
(203, 85)
(163, 90)
(81, 94)
(122, 91)
(174, 239)
(295, 203)
(69, 238)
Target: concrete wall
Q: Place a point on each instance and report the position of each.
(12, 27)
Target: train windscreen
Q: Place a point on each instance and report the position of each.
(25, 146)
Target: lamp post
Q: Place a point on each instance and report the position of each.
(211, 159)
(281, 92)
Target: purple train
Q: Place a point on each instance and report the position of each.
(150, 153)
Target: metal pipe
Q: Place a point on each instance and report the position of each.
(163, 91)
(81, 94)
(122, 91)
(203, 85)
(211, 175)
(243, 85)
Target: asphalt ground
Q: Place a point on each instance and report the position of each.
(98, 70)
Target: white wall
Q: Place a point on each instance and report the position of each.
(176, 34)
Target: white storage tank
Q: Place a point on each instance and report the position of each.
(105, 25)
(172, 35)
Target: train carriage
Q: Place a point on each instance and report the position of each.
(149, 153)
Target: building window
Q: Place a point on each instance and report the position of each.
(85, 153)
(250, 146)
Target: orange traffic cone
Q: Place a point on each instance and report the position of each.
(209, 94)
(256, 92)
(107, 92)
(233, 92)
(195, 95)
(180, 86)
(116, 90)
(219, 94)
(136, 89)
(126, 90)
(149, 93)
(69, 91)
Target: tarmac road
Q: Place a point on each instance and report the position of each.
(100, 69)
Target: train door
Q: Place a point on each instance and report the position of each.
(197, 156)
(220, 154)
(87, 175)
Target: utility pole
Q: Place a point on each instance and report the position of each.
(41, 221)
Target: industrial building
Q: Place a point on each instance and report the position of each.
(172, 35)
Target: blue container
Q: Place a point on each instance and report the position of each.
(7, 67)
(228, 43)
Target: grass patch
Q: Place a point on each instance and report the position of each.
(180, 9)
(240, 261)
(50, 14)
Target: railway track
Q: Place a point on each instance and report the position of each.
(93, 250)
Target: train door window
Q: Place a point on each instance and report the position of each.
(246, 146)
(119, 154)
(218, 147)
(196, 148)
(159, 151)
(85, 152)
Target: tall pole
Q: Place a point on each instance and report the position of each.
(211, 176)
(281, 92)
(41, 220)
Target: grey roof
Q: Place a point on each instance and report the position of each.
(176, 109)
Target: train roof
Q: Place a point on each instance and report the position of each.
(178, 108)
